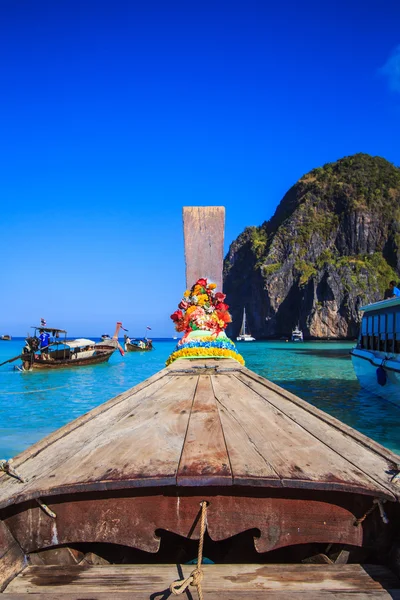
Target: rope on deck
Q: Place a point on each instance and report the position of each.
(196, 576)
(6, 467)
(34, 391)
(377, 502)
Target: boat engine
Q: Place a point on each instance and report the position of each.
(31, 345)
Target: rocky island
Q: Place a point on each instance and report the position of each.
(332, 245)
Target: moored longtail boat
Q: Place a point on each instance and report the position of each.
(63, 353)
(137, 345)
(205, 459)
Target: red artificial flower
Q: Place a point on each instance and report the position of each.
(183, 304)
(221, 306)
(202, 282)
(220, 296)
(177, 315)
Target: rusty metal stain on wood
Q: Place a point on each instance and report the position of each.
(133, 520)
(12, 559)
(204, 243)
(204, 459)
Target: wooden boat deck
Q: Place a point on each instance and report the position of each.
(229, 581)
(278, 480)
(203, 423)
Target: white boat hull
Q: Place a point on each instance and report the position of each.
(245, 338)
(365, 364)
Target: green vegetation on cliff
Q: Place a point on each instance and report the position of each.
(334, 241)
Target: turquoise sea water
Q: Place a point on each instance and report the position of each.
(34, 404)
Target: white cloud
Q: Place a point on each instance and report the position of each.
(391, 70)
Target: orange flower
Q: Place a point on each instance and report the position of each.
(224, 316)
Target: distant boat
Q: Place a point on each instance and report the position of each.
(244, 334)
(141, 345)
(41, 351)
(297, 335)
(5, 338)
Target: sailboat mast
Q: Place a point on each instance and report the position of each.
(244, 322)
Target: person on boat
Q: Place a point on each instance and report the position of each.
(44, 341)
(393, 291)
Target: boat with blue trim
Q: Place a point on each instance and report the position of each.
(376, 358)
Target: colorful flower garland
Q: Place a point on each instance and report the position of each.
(203, 309)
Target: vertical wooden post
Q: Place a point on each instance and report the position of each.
(203, 228)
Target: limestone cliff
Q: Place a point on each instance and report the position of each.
(332, 245)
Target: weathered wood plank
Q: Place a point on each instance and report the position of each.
(40, 459)
(244, 457)
(373, 464)
(217, 578)
(143, 444)
(132, 520)
(12, 558)
(61, 556)
(222, 595)
(295, 455)
(363, 439)
(197, 366)
(204, 243)
(205, 458)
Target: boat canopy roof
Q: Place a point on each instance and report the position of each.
(79, 342)
(389, 303)
(49, 329)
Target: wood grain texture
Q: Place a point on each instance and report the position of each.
(217, 578)
(133, 521)
(204, 243)
(39, 460)
(353, 448)
(296, 456)
(12, 558)
(146, 444)
(222, 595)
(138, 439)
(363, 439)
(241, 429)
(204, 456)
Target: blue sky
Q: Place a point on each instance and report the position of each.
(114, 115)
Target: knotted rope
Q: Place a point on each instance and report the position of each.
(6, 466)
(196, 576)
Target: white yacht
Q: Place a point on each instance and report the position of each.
(376, 358)
(297, 335)
(244, 334)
